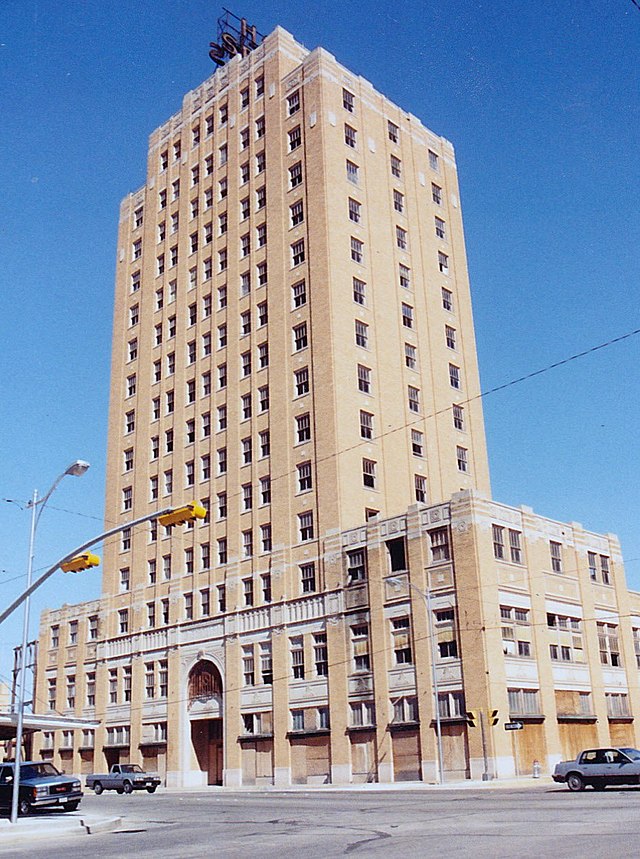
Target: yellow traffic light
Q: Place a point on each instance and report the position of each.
(493, 717)
(80, 562)
(183, 514)
(472, 718)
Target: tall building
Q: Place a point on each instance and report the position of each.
(294, 347)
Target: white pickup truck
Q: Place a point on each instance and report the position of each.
(123, 778)
(598, 768)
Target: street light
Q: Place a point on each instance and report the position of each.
(76, 469)
(434, 672)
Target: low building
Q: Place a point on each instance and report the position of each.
(496, 607)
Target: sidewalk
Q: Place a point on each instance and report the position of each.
(48, 825)
(526, 782)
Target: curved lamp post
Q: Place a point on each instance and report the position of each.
(76, 469)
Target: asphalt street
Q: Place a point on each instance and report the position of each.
(473, 822)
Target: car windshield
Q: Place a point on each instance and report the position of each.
(130, 768)
(634, 754)
(37, 770)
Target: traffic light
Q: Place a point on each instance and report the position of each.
(80, 562)
(183, 514)
(493, 717)
(473, 718)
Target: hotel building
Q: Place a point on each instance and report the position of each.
(293, 346)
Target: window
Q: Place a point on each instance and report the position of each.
(259, 83)
(398, 201)
(265, 490)
(450, 336)
(123, 621)
(604, 570)
(393, 131)
(297, 662)
(447, 299)
(443, 262)
(263, 398)
(168, 441)
(396, 167)
(593, 571)
(439, 539)
(127, 499)
(222, 552)
(515, 549)
(299, 293)
(369, 473)
(136, 251)
(354, 210)
(305, 525)
(302, 381)
(266, 664)
(407, 315)
(297, 252)
(307, 578)
(263, 355)
(462, 458)
(265, 545)
(300, 338)
(401, 636)
(356, 565)
(420, 485)
(303, 428)
(247, 496)
(222, 376)
(304, 476)
(410, 353)
(205, 603)
(350, 136)
(360, 648)
(222, 417)
(401, 238)
(366, 424)
(247, 552)
(223, 188)
(222, 460)
(454, 376)
(175, 189)
(433, 161)
(348, 100)
(245, 322)
(260, 127)
(135, 281)
(295, 138)
(261, 235)
(458, 417)
(297, 213)
(352, 172)
(188, 606)
(417, 443)
(245, 245)
(357, 250)
(132, 352)
(608, 644)
(436, 194)
(247, 455)
(295, 175)
(359, 291)
(413, 397)
(361, 333)
(364, 379)
(244, 98)
(261, 163)
(261, 269)
(248, 666)
(263, 314)
(440, 228)
(555, 550)
(246, 363)
(265, 444)
(617, 705)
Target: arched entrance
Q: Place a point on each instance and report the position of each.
(205, 714)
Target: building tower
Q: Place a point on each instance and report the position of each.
(293, 346)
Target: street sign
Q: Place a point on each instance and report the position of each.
(513, 726)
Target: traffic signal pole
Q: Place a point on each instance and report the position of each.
(486, 775)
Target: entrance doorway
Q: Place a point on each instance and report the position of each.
(206, 736)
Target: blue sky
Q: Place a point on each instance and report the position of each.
(542, 104)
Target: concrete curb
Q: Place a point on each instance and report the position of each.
(374, 787)
(108, 824)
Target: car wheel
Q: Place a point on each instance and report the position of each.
(24, 807)
(127, 787)
(98, 788)
(151, 789)
(119, 790)
(71, 806)
(575, 781)
(599, 785)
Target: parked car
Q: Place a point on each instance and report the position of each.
(41, 785)
(598, 768)
(123, 778)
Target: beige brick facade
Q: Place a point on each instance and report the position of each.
(293, 345)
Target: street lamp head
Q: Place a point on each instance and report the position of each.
(78, 468)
